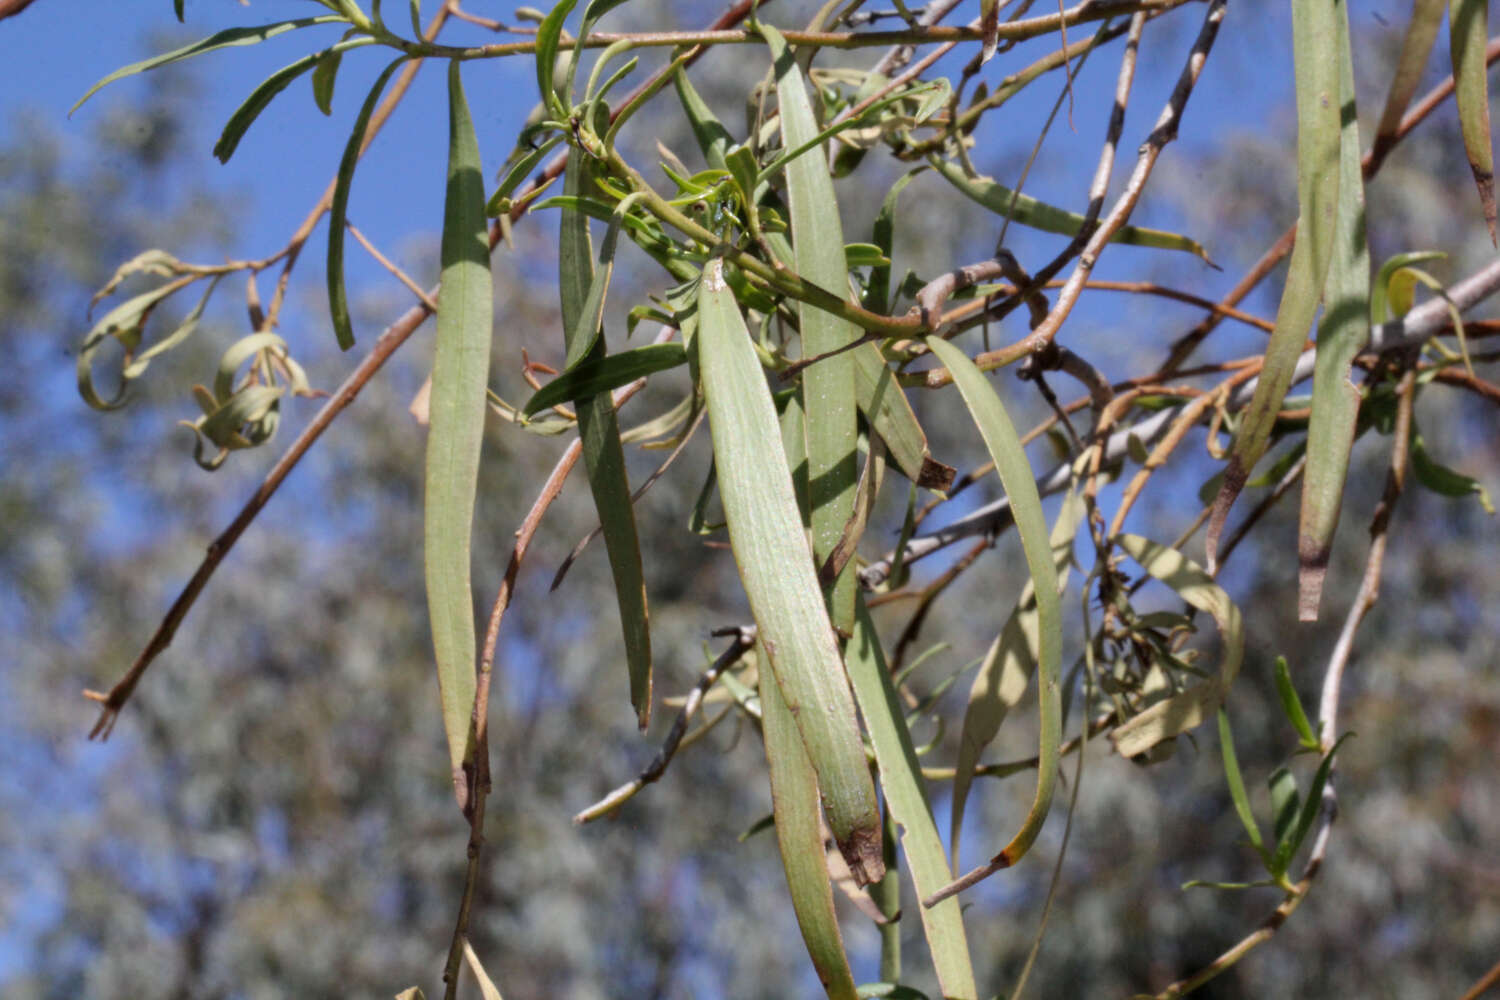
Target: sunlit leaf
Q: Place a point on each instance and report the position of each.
(1028, 211)
(261, 97)
(1343, 333)
(460, 370)
(776, 567)
(1315, 48)
(906, 797)
(1019, 480)
(799, 836)
(1005, 672)
(1468, 36)
(221, 40)
(599, 430)
(827, 387)
(601, 374)
(338, 210)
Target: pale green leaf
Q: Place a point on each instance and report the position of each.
(828, 387)
(905, 796)
(460, 371)
(338, 211)
(777, 569)
(799, 836)
(601, 374)
(221, 40)
(1006, 670)
(1343, 333)
(1019, 480)
(1028, 211)
(1468, 36)
(599, 430)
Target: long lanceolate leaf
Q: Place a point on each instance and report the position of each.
(1184, 711)
(261, 97)
(776, 567)
(799, 836)
(1029, 211)
(459, 373)
(1416, 47)
(901, 780)
(1020, 486)
(338, 211)
(1343, 333)
(1468, 34)
(603, 454)
(1315, 40)
(221, 40)
(828, 387)
(1006, 671)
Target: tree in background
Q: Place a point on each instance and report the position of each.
(273, 824)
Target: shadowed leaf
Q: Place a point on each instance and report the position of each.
(1468, 34)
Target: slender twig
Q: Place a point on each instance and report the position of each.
(1487, 982)
(396, 272)
(744, 640)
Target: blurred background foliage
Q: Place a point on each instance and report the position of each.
(274, 818)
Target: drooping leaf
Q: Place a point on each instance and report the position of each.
(1236, 783)
(1315, 39)
(828, 387)
(599, 429)
(220, 40)
(261, 97)
(713, 138)
(1468, 36)
(1006, 670)
(1416, 48)
(799, 836)
(1291, 705)
(777, 569)
(905, 796)
(1391, 295)
(606, 373)
(1019, 480)
(124, 324)
(1028, 211)
(460, 371)
(338, 210)
(548, 36)
(1343, 333)
(1188, 709)
(325, 75)
(1442, 480)
(1300, 825)
(884, 404)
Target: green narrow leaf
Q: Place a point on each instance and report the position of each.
(590, 317)
(905, 796)
(599, 429)
(777, 569)
(1343, 333)
(220, 40)
(460, 371)
(1286, 846)
(1315, 37)
(603, 374)
(1019, 481)
(1416, 48)
(1006, 670)
(1028, 211)
(884, 404)
(177, 8)
(1285, 799)
(799, 835)
(325, 75)
(260, 98)
(548, 35)
(828, 387)
(1292, 705)
(1186, 710)
(713, 138)
(338, 211)
(883, 235)
(1468, 35)
(1442, 480)
(414, 7)
(1236, 783)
